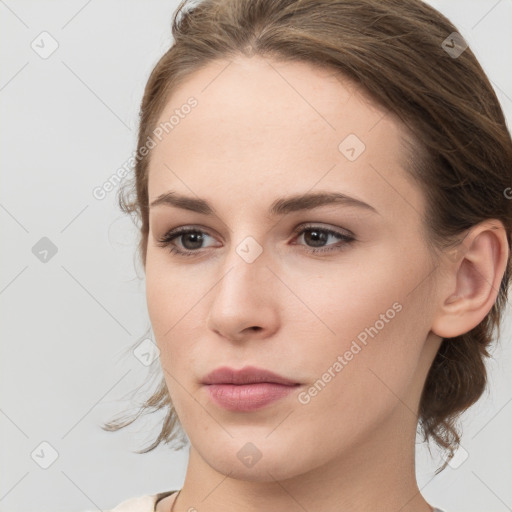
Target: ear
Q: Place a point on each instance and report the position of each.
(472, 274)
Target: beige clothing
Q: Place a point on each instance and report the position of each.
(147, 503)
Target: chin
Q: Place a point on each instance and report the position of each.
(258, 460)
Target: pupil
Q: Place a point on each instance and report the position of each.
(317, 236)
(197, 239)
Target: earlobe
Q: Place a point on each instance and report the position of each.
(473, 273)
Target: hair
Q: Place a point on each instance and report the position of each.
(461, 157)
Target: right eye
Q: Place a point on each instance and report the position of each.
(192, 237)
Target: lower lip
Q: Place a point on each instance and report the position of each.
(247, 397)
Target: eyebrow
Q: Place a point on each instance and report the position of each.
(281, 206)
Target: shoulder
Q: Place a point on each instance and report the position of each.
(145, 503)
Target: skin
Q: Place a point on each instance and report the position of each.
(262, 130)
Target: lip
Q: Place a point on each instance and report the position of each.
(246, 375)
(247, 389)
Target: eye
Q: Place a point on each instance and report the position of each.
(318, 236)
(192, 239)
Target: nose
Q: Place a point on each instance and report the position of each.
(245, 300)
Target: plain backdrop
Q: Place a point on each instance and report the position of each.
(72, 300)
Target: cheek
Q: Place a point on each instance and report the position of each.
(168, 295)
(176, 312)
(365, 331)
(156, 284)
(355, 384)
(341, 303)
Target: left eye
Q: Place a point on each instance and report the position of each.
(318, 236)
(194, 238)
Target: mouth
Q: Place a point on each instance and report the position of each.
(247, 389)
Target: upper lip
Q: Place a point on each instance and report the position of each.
(246, 375)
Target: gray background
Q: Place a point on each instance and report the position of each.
(67, 324)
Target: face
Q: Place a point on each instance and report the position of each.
(330, 293)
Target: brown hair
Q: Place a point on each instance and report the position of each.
(461, 158)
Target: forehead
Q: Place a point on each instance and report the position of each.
(261, 96)
(259, 123)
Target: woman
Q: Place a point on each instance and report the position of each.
(325, 233)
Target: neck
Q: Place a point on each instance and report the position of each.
(376, 474)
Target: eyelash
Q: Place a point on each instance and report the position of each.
(169, 237)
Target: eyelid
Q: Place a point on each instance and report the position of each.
(320, 225)
(186, 228)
